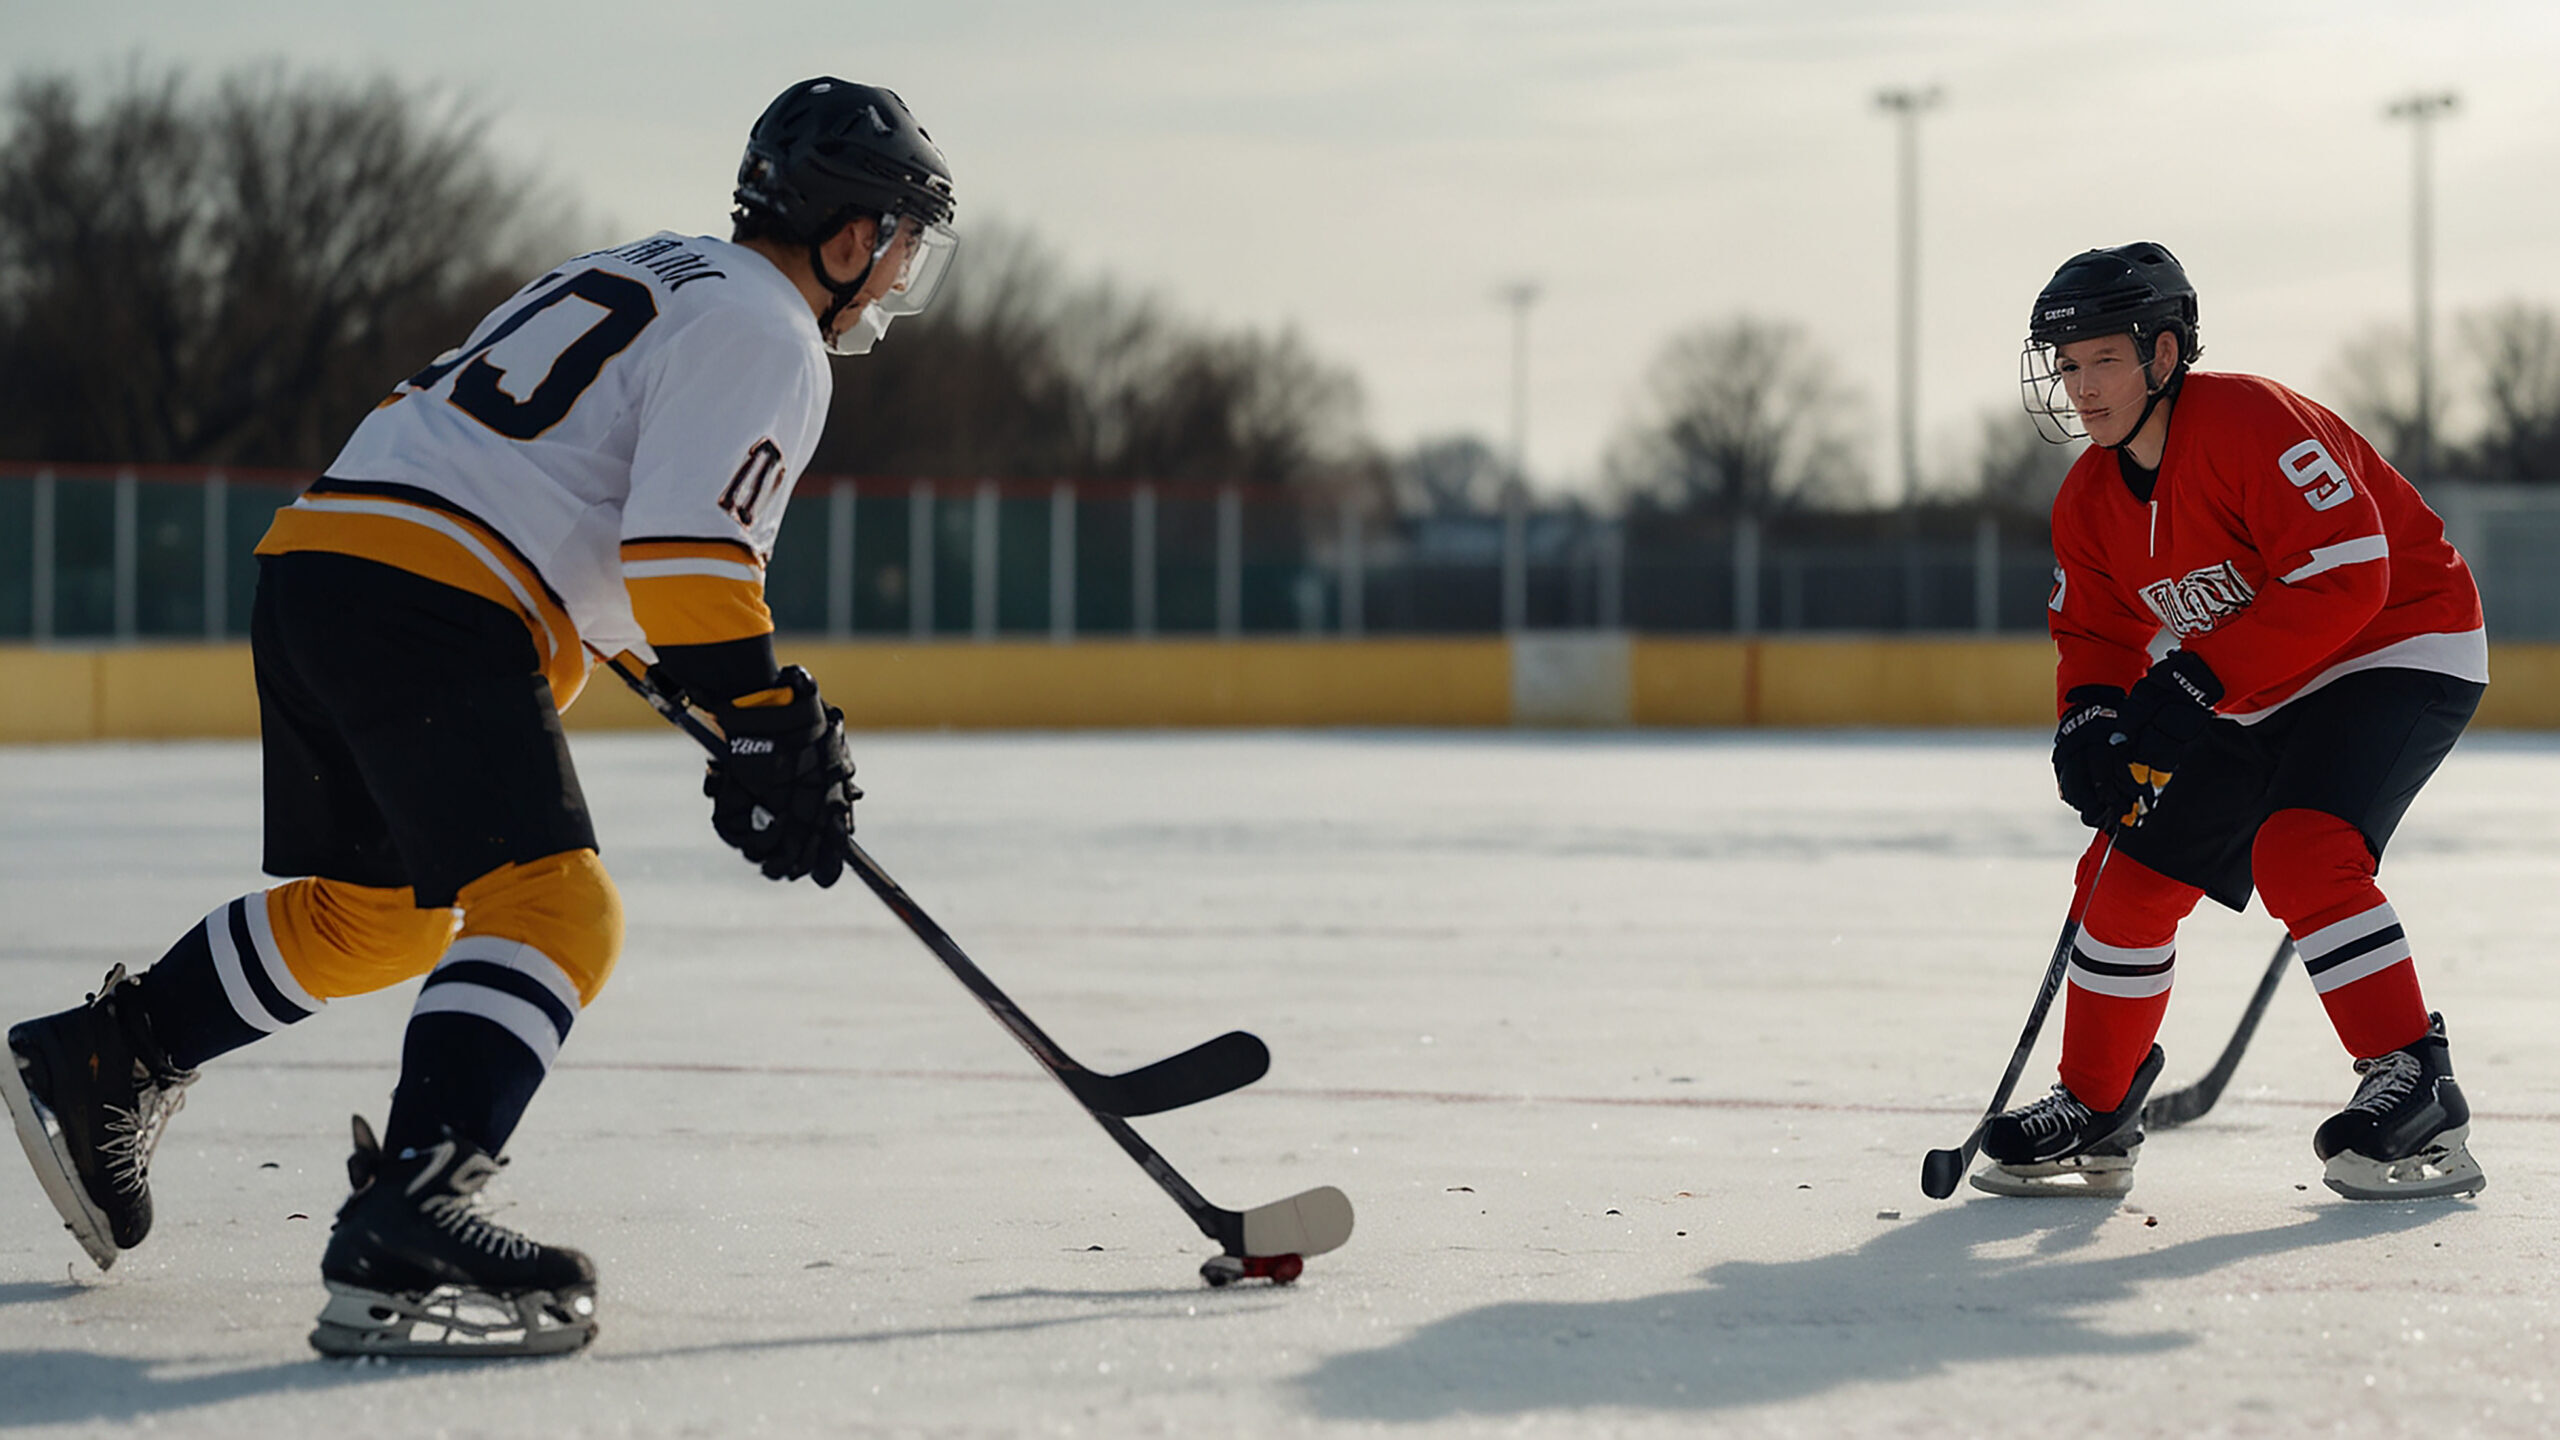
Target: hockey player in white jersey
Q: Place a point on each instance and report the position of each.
(601, 467)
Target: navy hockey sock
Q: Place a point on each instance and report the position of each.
(463, 1073)
(486, 1028)
(221, 986)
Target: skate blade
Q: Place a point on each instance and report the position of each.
(450, 1322)
(1309, 1223)
(2082, 1177)
(2442, 1169)
(41, 1138)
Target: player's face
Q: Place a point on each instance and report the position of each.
(2106, 382)
(890, 265)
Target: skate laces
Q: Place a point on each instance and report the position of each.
(456, 1212)
(2388, 1080)
(159, 1092)
(133, 1134)
(2056, 1114)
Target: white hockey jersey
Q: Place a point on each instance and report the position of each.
(609, 454)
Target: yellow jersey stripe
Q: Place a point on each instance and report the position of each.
(691, 608)
(441, 547)
(684, 549)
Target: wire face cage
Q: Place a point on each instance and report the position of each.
(2040, 390)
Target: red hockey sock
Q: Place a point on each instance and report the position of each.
(2121, 965)
(2315, 873)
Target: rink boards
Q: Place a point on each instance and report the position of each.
(1535, 679)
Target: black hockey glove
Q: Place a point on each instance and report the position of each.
(2087, 767)
(783, 796)
(2164, 713)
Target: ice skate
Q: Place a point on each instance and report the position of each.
(414, 1270)
(2402, 1136)
(89, 1094)
(2059, 1146)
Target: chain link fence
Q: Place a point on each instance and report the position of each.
(133, 553)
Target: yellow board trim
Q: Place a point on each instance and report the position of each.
(162, 692)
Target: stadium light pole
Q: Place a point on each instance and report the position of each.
(1906, 106)
(1519, 295)
(2420, 111)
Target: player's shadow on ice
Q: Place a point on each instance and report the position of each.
(1969, 1284)
(28, 1292)
(72, 1387)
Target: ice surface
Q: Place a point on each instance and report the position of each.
(1626, 1047)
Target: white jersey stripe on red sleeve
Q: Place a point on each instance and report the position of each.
(2345, 552)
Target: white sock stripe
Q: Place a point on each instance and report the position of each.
(262, 934)
(2139, 986)
(2382, 958)
(691, 565)
(520, 957)
(235, 982)
(2097, 949)
(521, 1018)
(2355, 927)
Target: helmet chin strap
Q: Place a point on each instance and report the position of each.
(845, 292)
(2152, 398)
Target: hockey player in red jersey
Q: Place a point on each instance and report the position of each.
(600, 467)
(2266, 648)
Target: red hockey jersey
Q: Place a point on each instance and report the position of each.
(2277, 546)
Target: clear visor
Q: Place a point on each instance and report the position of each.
(2040, 390)
(913, 257)
(920, 256)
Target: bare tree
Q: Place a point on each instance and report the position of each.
(1023, 371)
(976, 386)
(1742, 417)
(2374, 382)
(238, 275)
(2514, 350)
(2015, 468)
(1450, 475)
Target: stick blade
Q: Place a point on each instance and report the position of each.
(1940, 1171)
(2176, 1108)
(1309, 1223)
(1203, 1072)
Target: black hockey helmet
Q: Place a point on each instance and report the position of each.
(2138, 290)
(828, 151)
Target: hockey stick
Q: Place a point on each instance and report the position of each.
(2180, 1106)
(1268, 1241)
(1941, 1169)
(1203, 1072)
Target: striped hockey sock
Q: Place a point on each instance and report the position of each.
(2315, 871)
(2114, 1001)
(224, 984)
(2122, 964)
(487, 1026)
(2367, 981)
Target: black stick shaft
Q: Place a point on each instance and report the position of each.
(2180, 1106)
(1214, 1221)
(1941, 1168)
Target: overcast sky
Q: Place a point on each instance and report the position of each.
(1370, 173)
